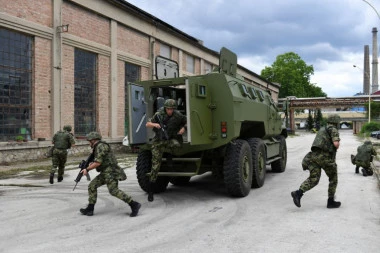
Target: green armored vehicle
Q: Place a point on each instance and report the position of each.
(233, 128)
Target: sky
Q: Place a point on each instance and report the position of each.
(328, 34)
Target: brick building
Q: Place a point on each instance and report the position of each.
(68, 62)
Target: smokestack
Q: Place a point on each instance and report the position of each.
(375, 77)
(366, 73)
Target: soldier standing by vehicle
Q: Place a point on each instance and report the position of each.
(62, 141)
(364, 158)
(169, 125)
(322, 156)
(110, 173)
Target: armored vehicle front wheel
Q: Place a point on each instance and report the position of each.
(280, 165)
(143, 167)
(237, 168)
(258, 162)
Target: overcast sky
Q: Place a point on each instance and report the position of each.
(328, 34)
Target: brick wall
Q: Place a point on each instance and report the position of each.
(85, 24)
(132, 42)
(42, 95)
(121, 98)
(103, 95)
(68, 86)
(39, 12)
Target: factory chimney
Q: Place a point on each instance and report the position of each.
(367, 71)
(375, 77)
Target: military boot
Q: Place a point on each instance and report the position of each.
(135, 206)
(357, 170)
(60, 178)
(89, 210)
(51, 178)
(150, 192)
(297, 195)
(364, 173)
(331, 203)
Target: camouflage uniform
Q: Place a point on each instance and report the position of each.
(62, 141)
(364, 157)
(109, 174)
(159, 145)
(322, 156)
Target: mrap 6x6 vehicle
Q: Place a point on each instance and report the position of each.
(233, 128)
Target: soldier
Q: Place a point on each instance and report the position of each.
(62, 141)
(322, 156)
(364, 158)
(174, 124)
(105, 163)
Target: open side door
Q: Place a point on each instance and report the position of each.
(137, 115)
(199, 116)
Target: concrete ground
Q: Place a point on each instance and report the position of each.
(200, 217)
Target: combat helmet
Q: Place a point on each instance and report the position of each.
(333, 119)
(67, 128)
(93, 136)
(367, 142)
(170, 104)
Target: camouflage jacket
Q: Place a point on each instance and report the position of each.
(63, 140)
(325, 139)
(172, 124)
(104, 155)
(365, 153)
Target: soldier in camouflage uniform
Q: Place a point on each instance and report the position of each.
(110, 173)
(364, 158)
(174, 123)
(322, 156)
(62, 141)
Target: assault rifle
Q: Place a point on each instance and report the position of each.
(84, 164)
(163, 135)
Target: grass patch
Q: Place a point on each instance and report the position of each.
(33, 171)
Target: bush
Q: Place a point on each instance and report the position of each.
(370, 127)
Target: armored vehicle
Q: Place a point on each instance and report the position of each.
(233, 128)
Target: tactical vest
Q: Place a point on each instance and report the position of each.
(364, 153)
(61, 140)
(108, 157)
(172, 124)
(323, 140)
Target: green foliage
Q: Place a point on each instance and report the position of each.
(375, 109)
(370, 127)
(294, 76)
(19, 138)
(310, 122)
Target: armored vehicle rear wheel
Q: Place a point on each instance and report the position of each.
(144, 166)
(237, 168)
(258, 162)
(280, 165)
(179, 180)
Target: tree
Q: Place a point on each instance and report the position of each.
(293, 74)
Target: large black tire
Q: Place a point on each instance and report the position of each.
(144, 166)
(280, 165)
(179, 181)
(237, 168)
(259, 169)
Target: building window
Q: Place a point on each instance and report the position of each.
(85, 92)
(165, 51)
(208, 68)
(132, 74)
(15, 85)
(190, 64)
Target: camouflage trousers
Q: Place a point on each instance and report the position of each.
(59, 159)
(365, 165)
(316, 161)
(158, 148)
(110, 177)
